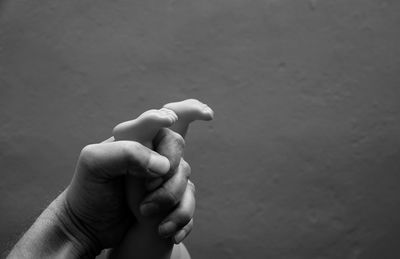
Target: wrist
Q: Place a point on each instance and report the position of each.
(54, 235)
(84, 245)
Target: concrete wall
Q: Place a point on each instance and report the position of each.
(303, 159)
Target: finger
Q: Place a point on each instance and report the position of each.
(169, 194)
(183, 233)
(169, 144)
(183, 168)
(113, 159)
(181, 216)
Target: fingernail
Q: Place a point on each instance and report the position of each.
(179, 236)
(148, 209)
(167, 228)
(158, 164)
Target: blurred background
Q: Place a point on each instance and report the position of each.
(303, 158)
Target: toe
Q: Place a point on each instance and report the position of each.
(170, 114)
(166, 117)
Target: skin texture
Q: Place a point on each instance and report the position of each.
(154, 238)
(92, 213)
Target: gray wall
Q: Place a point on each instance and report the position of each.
(303, 159)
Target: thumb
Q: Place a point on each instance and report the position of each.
(114, 159)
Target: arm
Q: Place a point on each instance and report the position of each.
(53, 236)
(92, 214)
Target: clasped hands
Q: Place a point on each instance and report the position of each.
(95, 207)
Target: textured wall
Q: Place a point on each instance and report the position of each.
(303, 159)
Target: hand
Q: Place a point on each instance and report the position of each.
(176, 193)
(92, 214)
(95, 210)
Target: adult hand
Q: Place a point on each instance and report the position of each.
(175, 194)
(92, 213)
(95, 209)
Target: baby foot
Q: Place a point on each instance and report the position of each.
(189, 110)
(145, 127)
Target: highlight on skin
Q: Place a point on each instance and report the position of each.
(177, 116)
